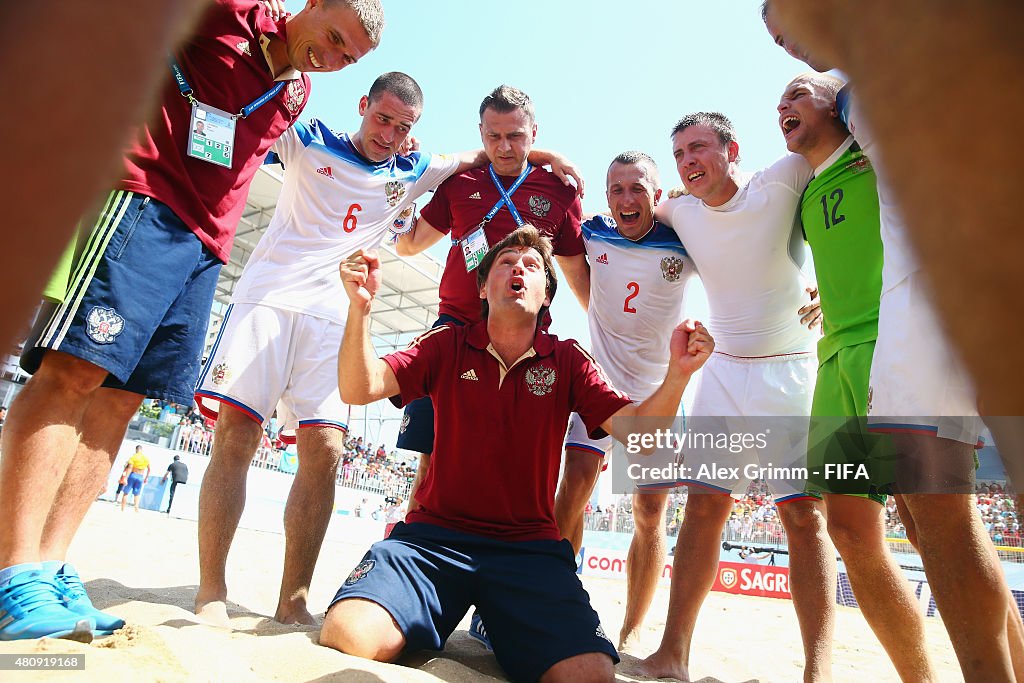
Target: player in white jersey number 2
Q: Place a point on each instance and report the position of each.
(638, 273)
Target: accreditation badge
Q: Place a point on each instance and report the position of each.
(474, 248)
(211, 135)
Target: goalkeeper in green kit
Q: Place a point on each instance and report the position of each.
(851, 467)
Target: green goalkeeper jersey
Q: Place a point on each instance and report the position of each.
(840, 216)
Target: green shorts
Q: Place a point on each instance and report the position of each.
(842, 456)
(57, 287)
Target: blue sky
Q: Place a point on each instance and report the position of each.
(604, 77)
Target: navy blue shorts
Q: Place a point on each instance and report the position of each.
(134, 484)
(532, 603)
(417, 430)
(138, 302)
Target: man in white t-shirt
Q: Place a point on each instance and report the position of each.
(278, 344)
(638, 273)
(741, 232)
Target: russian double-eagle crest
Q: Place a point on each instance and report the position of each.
(539, 206)
(540, 380)
(671, 268)
(103, 325)
(221, 374)
(394, 190)
(295, 96)
(361, 570)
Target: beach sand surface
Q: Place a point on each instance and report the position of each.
(143, 567)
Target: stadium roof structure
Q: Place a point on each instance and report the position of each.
(406, 305)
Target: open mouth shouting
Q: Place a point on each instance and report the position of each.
(629, 218)
(517, 285)
(694, 176)
(789, 123)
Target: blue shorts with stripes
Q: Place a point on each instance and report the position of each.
(138, 301)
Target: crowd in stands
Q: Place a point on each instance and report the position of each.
(754, 518)
(366, 468)
(363, 466)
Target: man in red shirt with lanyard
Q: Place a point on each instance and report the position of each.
(134, 319)
(484, 532)
(474, 208)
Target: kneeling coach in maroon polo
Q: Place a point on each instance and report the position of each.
(485, 532)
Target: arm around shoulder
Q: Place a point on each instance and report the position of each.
(577, 274)
(420, 238)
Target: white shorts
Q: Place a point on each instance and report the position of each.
(266, 358)
(917, 384)
(576, 437)
(741, 396)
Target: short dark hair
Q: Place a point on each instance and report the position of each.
(635, 158)
(504, 99)
(401, 85)
(177, 458)
(525, 236)
(764, 11)
(714, 120)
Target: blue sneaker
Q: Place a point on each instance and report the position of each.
(32, 606)
(77, 600)
(477, 630)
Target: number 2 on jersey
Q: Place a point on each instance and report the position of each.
(634, 288)
(349, 224)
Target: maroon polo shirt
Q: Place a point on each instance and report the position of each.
(225, 66)
(498, 435)
(463, 200)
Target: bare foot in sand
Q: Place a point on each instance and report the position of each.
(661, 665)
(294, 612)
(213, 612)
(629, 641)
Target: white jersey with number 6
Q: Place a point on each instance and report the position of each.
(333, 202)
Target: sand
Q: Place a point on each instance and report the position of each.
(143, 567)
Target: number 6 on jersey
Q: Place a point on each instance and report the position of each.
(349, 224)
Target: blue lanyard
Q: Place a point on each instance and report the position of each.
(186, 90)
(506, 195)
